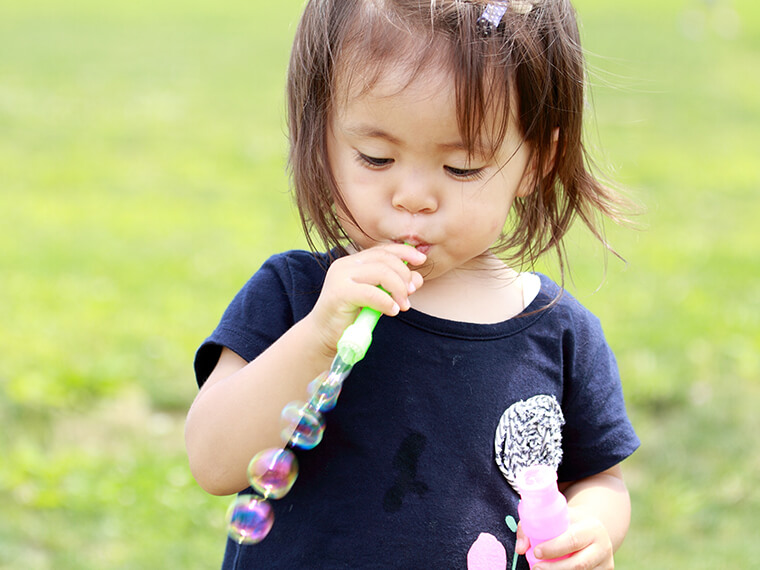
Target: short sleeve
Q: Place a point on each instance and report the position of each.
(279, 294)
(597, 434)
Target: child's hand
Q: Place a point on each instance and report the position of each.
(352, 283)
(586, 539)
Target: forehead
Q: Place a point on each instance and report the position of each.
(390, 81)
(400, 108)
(367, 95)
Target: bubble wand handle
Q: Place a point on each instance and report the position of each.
(355, 341)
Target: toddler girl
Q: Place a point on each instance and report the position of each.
(435, 151)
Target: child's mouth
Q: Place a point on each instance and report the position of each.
(417, 244)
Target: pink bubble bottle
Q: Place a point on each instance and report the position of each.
(542, 508)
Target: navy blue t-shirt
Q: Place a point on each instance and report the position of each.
(405, 476)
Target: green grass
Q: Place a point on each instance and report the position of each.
(142, 162)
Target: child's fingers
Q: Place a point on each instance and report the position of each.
(384, 267)
(392, 254)
(416, 282)
(406, 253)
(388, 288)
(377, 277)
(521, 543)
(587, 540)
(354, 281)
(382, 301)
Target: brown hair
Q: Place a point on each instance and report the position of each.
(533, 59)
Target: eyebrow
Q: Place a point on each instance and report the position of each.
(373, 133)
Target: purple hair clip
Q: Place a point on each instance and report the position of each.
(494, 13)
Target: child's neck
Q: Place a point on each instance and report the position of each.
(492, 292)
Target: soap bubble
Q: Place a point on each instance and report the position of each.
(249, 519)
(304, 426)
(272, 472)
(324, 391)
(339, 370)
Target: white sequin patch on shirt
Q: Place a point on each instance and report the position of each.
(529, 433)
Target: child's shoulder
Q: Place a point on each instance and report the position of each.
(295, 265)
(300, 259)
(558, 302)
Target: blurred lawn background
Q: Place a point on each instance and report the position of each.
(142, 156)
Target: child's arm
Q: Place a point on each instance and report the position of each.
(600, 512)
(236, 414)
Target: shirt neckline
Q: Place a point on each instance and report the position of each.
(538, 307)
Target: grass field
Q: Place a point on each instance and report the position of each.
(142, 181)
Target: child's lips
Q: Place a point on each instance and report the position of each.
(417, 244)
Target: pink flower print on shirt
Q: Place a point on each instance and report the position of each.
(486, 553)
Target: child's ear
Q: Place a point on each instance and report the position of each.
(536, 172)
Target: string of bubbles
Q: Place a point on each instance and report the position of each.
(273, 471)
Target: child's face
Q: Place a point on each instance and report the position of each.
(398, 158)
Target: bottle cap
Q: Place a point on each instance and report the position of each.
(536, 478)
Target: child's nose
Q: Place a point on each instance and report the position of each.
(416, 195)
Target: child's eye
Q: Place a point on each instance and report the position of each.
(373, 162)
(465, 173)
